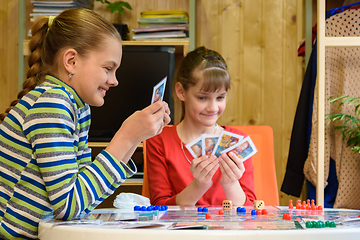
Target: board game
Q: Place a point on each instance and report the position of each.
(216, 218)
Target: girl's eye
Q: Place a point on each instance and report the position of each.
(221, 97)
(201, 98)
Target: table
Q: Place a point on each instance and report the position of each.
(48, 229)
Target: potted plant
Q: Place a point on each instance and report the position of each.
(118, 6)
(348, 124)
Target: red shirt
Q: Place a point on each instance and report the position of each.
(169, 171)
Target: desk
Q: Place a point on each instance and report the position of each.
(48, 230)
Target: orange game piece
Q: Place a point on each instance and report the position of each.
(258, 212)
(291, 206)
(221, 212)
(264, 212)
(208, 216)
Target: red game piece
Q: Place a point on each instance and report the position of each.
(208, 216)
(298, 204)
(221, 212)
(291, 206)
(303, 206)
(258, 212)
(286, 216)
(319, 208)
(264, 212)
(308, 202)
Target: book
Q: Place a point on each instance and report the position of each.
(161, 27)
(166, 34)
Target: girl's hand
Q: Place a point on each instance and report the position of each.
(146, 123)
(203, 169)
(231, 167)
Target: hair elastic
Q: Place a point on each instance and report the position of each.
(51, 19)
(209, 57)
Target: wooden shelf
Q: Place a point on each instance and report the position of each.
(133, 182)
(104, 144)
(180, 45)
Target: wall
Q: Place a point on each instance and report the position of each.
(8, 52)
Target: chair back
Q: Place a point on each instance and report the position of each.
(266, 187)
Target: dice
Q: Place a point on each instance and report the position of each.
(227, 205)
(258, 204)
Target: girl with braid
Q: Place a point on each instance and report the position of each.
(45, 162)
(177, 178)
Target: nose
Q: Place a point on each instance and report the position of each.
(212, 106)
(113, 82)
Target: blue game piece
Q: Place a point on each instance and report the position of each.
(149, 208)
(241, 210)
(199, 209)
(143, 208)
(253, 212)
(163, 208)
(157, 207)
(136, 208)
(205, 209)
(166, 207)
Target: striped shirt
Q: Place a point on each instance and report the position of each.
(45, 162)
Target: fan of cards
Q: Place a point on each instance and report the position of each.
(213, 144)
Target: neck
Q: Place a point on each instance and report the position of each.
(189, 132)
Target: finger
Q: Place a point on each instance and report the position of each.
(154, 108)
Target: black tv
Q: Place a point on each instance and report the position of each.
(142, 67)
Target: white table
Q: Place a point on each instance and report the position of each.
(49, 231)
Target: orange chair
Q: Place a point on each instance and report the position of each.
(266, 187)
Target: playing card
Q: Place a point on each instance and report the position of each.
(226, 140)
(243, 149)
(208, 143)
(195, 147)
(158, 91)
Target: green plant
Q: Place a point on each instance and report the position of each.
(348, 124)
(116, 6)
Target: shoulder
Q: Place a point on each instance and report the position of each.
(234, 130)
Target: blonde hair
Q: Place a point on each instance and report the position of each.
(80, 29)
(211, 64)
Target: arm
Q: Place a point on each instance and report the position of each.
(56, 129)
(138, 127)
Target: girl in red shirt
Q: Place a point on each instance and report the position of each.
(177, 178)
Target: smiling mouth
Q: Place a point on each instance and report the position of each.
(102, 90)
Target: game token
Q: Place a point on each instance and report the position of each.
(136, 208)
(291, 206)
(309, 224)
(221, 212)
(157, 207)
(258, 212)
(264, 212)
(286, 216)
(143, 208)
(241, 210)
(332, 224)
(199, 209)
(205, 209)
(253, 212)
(208, 216)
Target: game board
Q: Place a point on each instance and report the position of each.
(215, 218)
(273, 220)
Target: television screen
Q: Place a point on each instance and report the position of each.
(142, 67)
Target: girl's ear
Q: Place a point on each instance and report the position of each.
(180, 92)
(69, 57)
